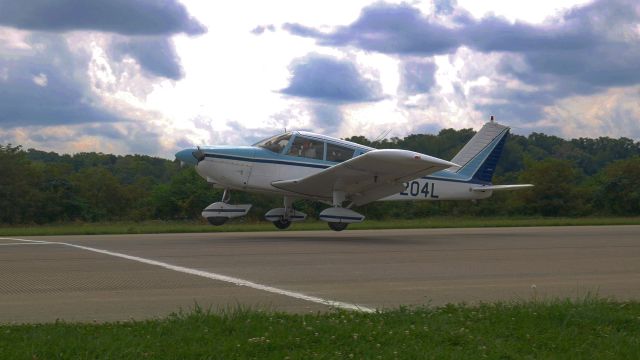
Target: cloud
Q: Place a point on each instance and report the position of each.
(326, 118)
(156, 55)
(445, 7)
(118, 138)
(592, 46)
(47, 85)
(390, 29)
(260, 29)
(127, 17)
(331, 80)
(582, 51)
(417, 76)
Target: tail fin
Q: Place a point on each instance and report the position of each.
(479, 157)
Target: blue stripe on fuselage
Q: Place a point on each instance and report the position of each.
(268, 161)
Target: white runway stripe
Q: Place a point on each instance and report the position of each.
(25, 240)
(213, 276)
(22, 243)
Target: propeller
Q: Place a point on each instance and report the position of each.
(198, 154)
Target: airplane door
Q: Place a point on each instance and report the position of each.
(244, 170)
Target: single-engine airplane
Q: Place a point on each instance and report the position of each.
(343, 174)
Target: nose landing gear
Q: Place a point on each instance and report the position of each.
(220, 212)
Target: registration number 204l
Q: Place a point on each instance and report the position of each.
(418, 189)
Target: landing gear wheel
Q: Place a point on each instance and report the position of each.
(335, 226)
(282, 224)
(217, 220)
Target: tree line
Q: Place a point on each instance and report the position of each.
(578, 177)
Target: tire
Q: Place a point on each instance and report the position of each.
(282, 224)
(217, 220)
(335, 226)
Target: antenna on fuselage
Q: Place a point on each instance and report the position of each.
(382, 136)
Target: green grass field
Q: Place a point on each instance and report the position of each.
(150, 227)
(584, 329)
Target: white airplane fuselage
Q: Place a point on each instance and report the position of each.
(255, 173)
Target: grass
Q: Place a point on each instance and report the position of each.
(561, 329)
(152, 227)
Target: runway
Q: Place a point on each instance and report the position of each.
(118, 277)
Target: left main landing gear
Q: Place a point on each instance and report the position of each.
(337, 217)
(217, 220)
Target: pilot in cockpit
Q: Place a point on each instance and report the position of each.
(308, 150)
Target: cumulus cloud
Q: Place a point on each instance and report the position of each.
(261, 29)
(326, 118)
(582, 51)
(127, 17)
(66, 79)
(117, 138)
(594, 45)
(47, 85)
(146, 26)
(156, 55)
(332, 80)
(417, 76)
(388, 28)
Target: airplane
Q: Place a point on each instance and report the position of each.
(343, 174)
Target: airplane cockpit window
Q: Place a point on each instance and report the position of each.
(276, 143)
(338, 153)
(309, 148)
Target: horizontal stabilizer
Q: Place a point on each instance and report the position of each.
(501, 187)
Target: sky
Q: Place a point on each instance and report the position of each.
(154, 76)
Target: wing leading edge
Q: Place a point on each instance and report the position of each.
(368, 177)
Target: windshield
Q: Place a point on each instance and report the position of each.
(275, 143)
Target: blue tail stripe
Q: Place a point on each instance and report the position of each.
(482, 166)
(488, 167)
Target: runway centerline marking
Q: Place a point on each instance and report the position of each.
(209, 275)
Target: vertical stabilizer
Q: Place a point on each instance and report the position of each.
(479, 157)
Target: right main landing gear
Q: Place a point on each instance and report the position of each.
(336, 226)
(282, 224)
(217, 220)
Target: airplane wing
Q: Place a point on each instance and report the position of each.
(368, 177)
(501, 187)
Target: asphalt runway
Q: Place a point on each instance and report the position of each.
(118, 277)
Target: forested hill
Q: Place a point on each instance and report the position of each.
(573, 178)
